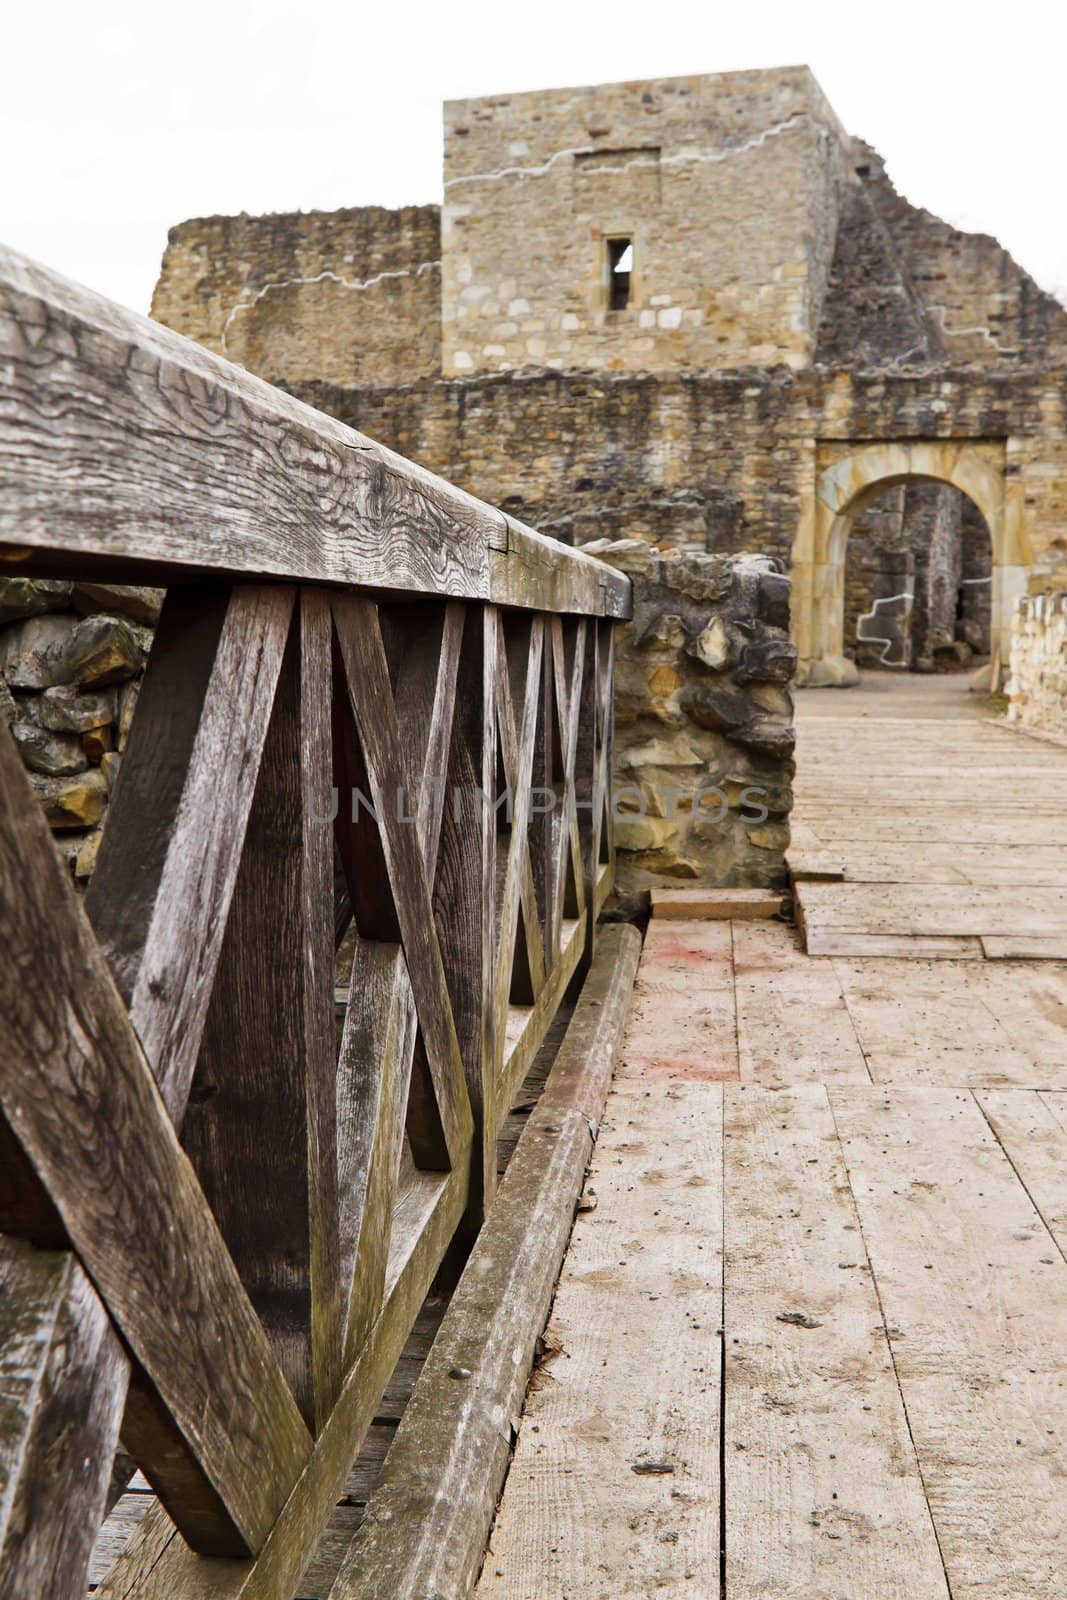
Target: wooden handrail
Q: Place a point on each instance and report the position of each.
(217, 1224)
(124, 442)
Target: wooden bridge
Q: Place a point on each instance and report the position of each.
(267, 1318)
(220, 1220)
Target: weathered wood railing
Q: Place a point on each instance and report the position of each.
(216, 1224)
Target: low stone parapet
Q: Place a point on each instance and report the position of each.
(1037, 687)
(704, 731)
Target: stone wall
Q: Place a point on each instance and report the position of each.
(704, 732)
(71, 660)
(1037, 688)
(347, 296)
(720, 461)
(727, 186)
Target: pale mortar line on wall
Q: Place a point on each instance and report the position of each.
(868, 638)
(322, 277)
(680, 158)
(941, 313)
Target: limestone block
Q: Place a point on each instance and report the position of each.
(717, 709)
(102, 650)
(712, 646)
(118, 599)
(28, 597)
(767, 661)
(72, 802)
(833, 672)
(32, 652)
(127, 705)
(66, 709)
(770, 734)
(110, 766)
(97, 743)
(85, 861)
(55, 754)
(643, 833)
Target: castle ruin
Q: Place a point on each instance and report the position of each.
(695, 311)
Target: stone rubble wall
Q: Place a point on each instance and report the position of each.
(1037, 686)
(350, 296)
(723, 461)
(704, 733)
(71, 660)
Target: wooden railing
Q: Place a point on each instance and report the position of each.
(218, 1223)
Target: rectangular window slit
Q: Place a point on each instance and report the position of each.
(620, 272)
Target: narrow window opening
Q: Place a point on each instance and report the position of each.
(620, 273)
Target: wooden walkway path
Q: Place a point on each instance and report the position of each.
(810, 1339)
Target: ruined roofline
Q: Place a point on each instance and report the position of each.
(799, 70)
(880, 179)
(250, 219)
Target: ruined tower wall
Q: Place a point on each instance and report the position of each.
(908, 287)
(344, 296)
(727, 186)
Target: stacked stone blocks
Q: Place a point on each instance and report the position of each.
(71, 660)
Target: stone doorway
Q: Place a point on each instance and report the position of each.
(918, 580)
(847, 480)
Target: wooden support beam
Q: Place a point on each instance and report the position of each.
(374, 709)
(160, 895)
(427, 1521)
(78, 1098)
(63, 1379)
(261, 1125)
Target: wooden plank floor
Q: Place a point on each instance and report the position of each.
(811, 1335)
(950, 831)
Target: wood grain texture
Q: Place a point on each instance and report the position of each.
(824, 1494)
(374, 709)
(426, 1523)
(463, 890)
(974, 1295)
(157, 1566)
(77, 1094)
(1031, 1131)
(261, 1126)
(173, 843)
(520, 971)
(793, 1021)
(63, 1379)
(614, 1487)
(126, 442)
(373, 1074)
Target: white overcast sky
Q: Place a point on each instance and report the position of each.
(118, 119)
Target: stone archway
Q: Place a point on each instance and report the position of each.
(849, 476)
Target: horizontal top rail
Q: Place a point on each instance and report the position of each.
(124, 445)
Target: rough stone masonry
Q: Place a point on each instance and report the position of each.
(694, 312)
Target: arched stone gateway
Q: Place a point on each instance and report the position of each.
(846, 478)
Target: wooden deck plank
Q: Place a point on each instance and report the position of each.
(683, 1024)
(974, 1294)
(614, 1487)
(793, 1022)
(933, 1022)
(1034, 1139)
(823, 1491)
